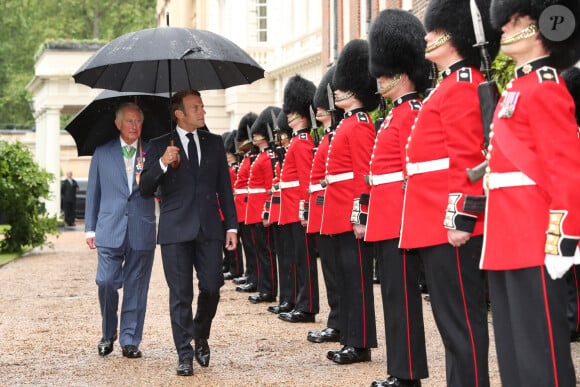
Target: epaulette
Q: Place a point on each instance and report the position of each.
(547, 74)
(415, 105)
(464, 74)
(362, 117)
(303, 136)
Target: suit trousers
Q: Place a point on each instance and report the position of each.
(69, 213)
(403, 310)
(179, 261)
(266, 252)
(249, 253)
(131, 270)
(328, 252)
(532, 335)
(234, 260)
(306, 269)
(457, 292)
(357, 306)
(286, 267)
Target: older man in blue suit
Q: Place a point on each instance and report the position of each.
(120, 224)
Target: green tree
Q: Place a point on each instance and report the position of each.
(26, 24)
(22, 186)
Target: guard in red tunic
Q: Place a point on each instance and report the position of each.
(259, 186)
(235, 258)
(294, 181)
(397, 60)
(313, 215)
(271, 216)
(250, 281)
(533, 212)
(446, 139)
(347, 162)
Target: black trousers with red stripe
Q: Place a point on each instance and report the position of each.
(357, 305)
(573, 309)
(249, 253)
(457, 292)
(286, 267)
(532, 335)
(403, 310)
(306, 269)
(328, 252)
(266, 252)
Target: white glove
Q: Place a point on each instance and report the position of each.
(558, 265)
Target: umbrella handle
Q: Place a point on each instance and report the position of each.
(176, 163)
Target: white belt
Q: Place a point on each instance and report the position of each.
(256, 190)
(508, 179)
(331, 179)
(427, 166)
(386, 178)
(241, 191)
(315, 188)
(289, 184)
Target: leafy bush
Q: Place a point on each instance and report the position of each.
(22, 186)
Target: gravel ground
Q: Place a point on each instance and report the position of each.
(50, 327)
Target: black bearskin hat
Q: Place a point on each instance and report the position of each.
(454, 16)
(397, 46)
(282, 121)
(563, 53)
(264, 119)
(352, 73)
(229, 142)
(246, 122)
(298, 94)
(572, 79)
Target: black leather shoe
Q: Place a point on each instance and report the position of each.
(330, 354)
(376, 280)
(202, 352)
(327, 335)
(185, 367)
(393, 381)
(228, 276)
(131, 351)
(246, 288)
(240, 280)
(261, 297)
(283, 307)
(296, 316)
(351, 355)
(106, 346)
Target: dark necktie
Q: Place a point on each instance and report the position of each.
(192, 152)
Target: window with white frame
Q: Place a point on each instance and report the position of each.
(262, 15)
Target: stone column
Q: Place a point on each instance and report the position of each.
(52, 158)
(40, 122)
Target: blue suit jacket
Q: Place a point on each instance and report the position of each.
(191, 202)
(110, 210)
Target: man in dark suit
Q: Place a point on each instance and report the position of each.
(191, 230)
(120, 224)
(68, 193)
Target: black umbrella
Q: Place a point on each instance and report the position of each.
(95, 123)
(165, 59)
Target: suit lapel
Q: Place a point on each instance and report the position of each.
(118, 160)
(203, 148)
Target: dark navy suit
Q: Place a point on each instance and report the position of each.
(124, 226)
(191, 231)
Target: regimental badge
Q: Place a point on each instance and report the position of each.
(527, 68)
(547, 74)
(508, 106)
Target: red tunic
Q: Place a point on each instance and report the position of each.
(317, 173)
(274, 210)
(295, 171)
(259, 183)
(388, 157)
(239, 187)
(349, 152)
(448, 129)
(518, 217)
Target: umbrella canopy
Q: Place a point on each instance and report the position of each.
(165, 59)
(95, 123)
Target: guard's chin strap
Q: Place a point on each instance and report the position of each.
(527, 32)
(438, 43)
(346, 95)
(394, 82)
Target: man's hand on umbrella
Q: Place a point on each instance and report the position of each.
(171, 154)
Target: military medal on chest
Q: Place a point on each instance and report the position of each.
(508, 106)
